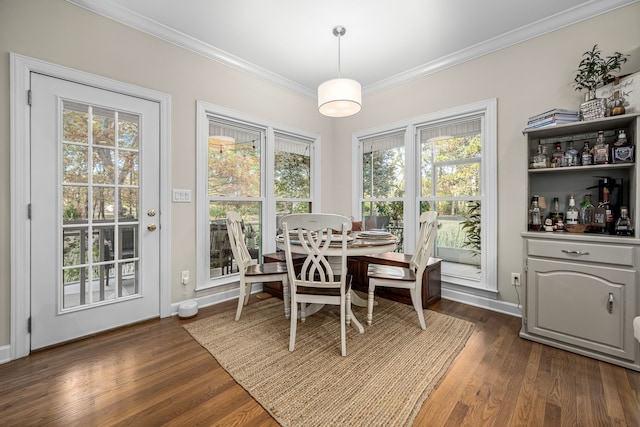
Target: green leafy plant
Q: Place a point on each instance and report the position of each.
(471, 226)
(594, 69)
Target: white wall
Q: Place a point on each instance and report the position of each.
(62, 33)
(526, 79)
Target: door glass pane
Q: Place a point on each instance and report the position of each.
(103, 125)
(75, 122)
(128, 168)
(128, 130)
(128, 202)
(103, 165)
(103, 203)
(75, 203)
(74, 246)
(75, 168)
(100, 203)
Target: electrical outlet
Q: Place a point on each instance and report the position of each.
(185, 277)
(515, 279)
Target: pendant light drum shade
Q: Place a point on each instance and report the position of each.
(339, 97)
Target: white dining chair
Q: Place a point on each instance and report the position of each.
(406, 277)
(250, 272)
(320, 280)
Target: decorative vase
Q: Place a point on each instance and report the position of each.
(593, 108)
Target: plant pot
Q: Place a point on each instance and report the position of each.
(595, 108)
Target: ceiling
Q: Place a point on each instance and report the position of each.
(290, 42)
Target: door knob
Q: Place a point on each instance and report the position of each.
(151, 227)
(151, 212)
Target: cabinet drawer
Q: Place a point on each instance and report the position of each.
(576, 251)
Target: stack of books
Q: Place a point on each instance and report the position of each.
(552, 117)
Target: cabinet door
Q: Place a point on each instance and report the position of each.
(582, 305)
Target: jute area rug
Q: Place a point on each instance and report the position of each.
(387, 374)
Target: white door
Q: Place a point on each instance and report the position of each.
(95, 245)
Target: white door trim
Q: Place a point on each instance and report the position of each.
(21, 67)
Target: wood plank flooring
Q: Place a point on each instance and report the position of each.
(154, 373)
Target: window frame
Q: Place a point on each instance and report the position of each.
(206, 110)
(487, 109)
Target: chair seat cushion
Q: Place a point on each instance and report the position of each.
(379, 271)
(267, 268)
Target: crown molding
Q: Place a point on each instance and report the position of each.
(579, 13)
(134, 20)
(536, 29)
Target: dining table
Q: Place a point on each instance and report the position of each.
(359, 243)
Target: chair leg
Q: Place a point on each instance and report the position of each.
(303, 311)
(287, 298)
(372, 289)
(242, 298)
(416, 299)
(343, 326)
(293, 323)
(348, 302)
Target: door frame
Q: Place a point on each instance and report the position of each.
(20, 172)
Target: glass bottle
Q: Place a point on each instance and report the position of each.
(621, 151)
(586, 210)
(624, 226)
(587, 155)
(541, 159)
(601, 150)
(572, 212)
(556, 215)
(571, 156)
(557, 157)
(535, 215)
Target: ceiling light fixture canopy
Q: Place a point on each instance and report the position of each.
(339, 97)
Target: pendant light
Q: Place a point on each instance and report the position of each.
(339, 97)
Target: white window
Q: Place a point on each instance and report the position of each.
(259, 169)
(383, 185)
(450, 168)
(292, 175)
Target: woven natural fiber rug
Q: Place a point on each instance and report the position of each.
(387, 374)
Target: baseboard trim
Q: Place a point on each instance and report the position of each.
(481, 301)
(216, 298)
(5, 354)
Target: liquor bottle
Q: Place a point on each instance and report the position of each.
(535, 215)
(587, 154)
(624, 226)
(622, 151)
(571, 156)
(572, 212)
(556, 215)
(586, 210)
(557, 157)
(601, 150)
(541, 159)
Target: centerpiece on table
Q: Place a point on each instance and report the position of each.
(595, 70)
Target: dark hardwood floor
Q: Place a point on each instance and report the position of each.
(154, 374)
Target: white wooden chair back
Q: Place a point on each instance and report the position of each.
(313, 232)
(425, 244)
(237, 241)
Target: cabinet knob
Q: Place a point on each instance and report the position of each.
(610, 303)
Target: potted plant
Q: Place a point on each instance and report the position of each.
(250, 234)
(471, 226)
(595, 70)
